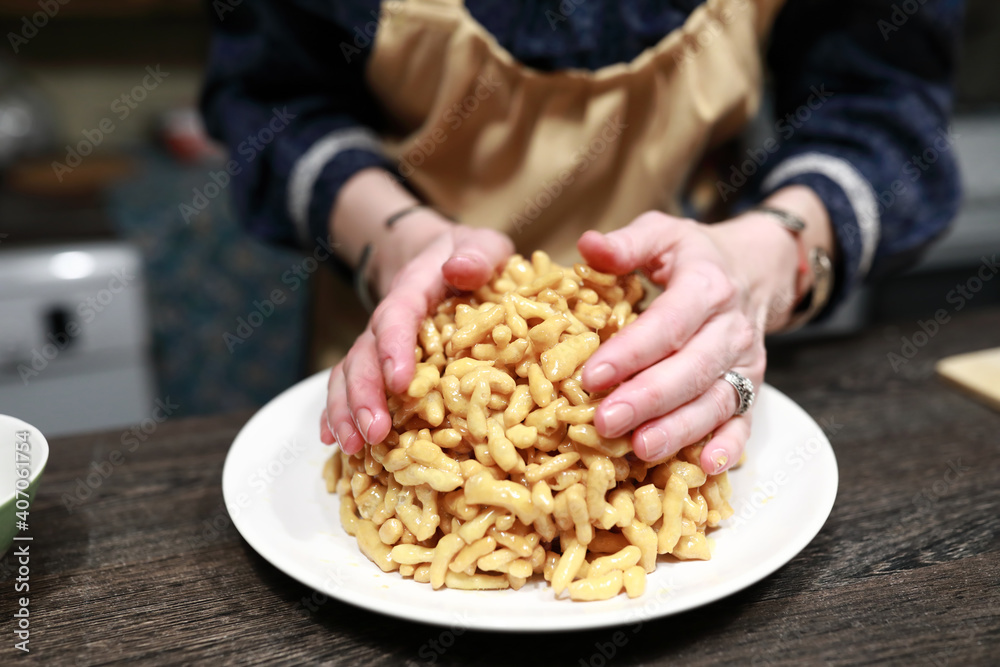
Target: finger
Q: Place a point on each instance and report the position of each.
(395, 323)
(726, 447)
(339, 416)
(693, 296)
(333, 392)
(325, 434)
(665, 436)
(477, 255)
(679, 378)
(366, 390)
(640, 245)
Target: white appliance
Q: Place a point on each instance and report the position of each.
(74, 337)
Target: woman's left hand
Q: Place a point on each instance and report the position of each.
(724, 284)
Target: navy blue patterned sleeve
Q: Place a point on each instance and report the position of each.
(293, 109)
(863, 95)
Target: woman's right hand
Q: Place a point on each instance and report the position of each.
(452, 258)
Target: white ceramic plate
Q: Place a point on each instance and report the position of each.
(277, 499)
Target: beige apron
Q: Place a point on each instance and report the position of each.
(544, 156)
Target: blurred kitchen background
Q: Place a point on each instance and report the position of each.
(125, 279)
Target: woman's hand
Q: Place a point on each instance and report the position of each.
(725, 284)
(450, 257)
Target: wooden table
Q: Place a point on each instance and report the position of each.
(904, 572)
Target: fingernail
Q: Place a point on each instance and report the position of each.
(617, 418)
(654, 441)
(475, 259)
(344, 433)
(720, 459)
(364, 419)
(601, 374)
(326, 422)
(387, 370)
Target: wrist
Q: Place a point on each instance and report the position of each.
(366, 202)
(362, 206)
(766, 257)
(802, 213)
(400, 243)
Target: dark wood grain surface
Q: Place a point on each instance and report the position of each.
(148, 569)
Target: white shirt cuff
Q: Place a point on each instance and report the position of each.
(307, 169)
(857, 189)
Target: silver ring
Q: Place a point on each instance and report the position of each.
(744, 389)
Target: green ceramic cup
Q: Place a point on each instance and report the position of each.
(23, 455)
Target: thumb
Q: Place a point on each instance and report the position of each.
(640, 245)
(477, 255)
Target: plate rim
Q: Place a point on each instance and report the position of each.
(280, 559)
